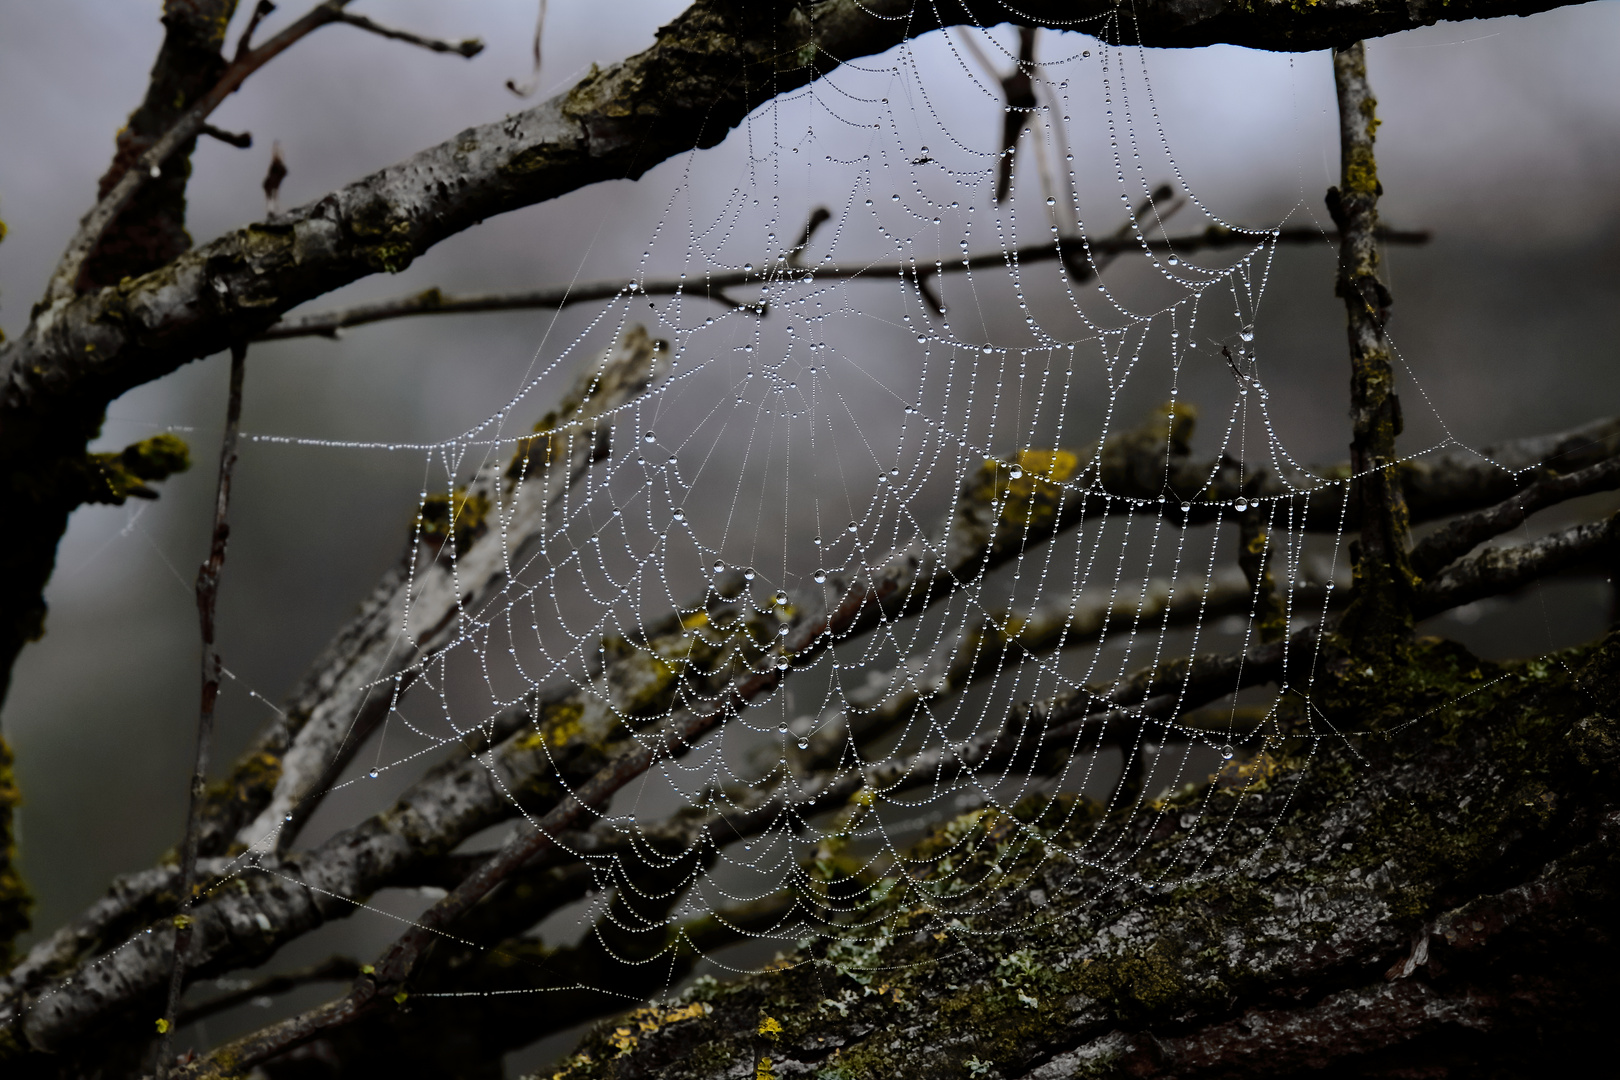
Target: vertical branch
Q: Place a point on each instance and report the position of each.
(207, 598)
(1381, 615)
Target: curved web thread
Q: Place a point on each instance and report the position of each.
(1012, 430)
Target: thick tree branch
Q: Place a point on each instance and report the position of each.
(1424, 901)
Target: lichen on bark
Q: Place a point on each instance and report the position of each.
(1372, 899)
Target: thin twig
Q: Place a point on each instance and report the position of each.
(436, 302)
(468, 47)
(241, 140)
(207, 600)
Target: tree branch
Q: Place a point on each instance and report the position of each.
(468, 47)
(341, 699)
(1439, 549)
(435, 302)
(1504, 569)
(207, 601)
(1245, 926)
(1380, 617)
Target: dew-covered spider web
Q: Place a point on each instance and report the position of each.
(879, 535)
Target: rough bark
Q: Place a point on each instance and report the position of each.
(1432, 895)
(1380, 620)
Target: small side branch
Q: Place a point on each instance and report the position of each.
(468, 47)
(207, 601)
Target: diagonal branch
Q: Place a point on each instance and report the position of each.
(1499, 570)
(1439, 549)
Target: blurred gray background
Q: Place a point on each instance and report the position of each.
(1503, 137)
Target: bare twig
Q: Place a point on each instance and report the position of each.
(261, 11)
(207, 600)
(525, 89)
(241, 140)
(468, 47)
(436, 302)
(1459, 537)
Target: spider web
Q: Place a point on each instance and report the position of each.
(735, 468)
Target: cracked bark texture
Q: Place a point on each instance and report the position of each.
(1430, 896)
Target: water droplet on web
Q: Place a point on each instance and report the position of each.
(1173, 261)
(748, 268)
(1186, 507)
(1051, 201)
(852, 526)
(680, 516)
(821, 576)
(1227, 752)
(1241, 505)
(748, 574)
(373, 774)
(804, 744)
(649, 438)
(1016, 473)
(782, 661)
(781, 729)
(718, 566)
(1247, 333)
(781, 598)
